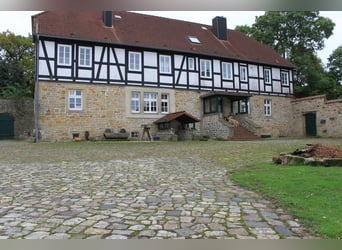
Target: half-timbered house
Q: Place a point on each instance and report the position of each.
(121, 70)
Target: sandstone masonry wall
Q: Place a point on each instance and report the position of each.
(276, 125)
(328, 116)
(103, 107)
(23, 113)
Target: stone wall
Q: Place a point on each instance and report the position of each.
(328, 116)
(276, 125)
(213, 126)
(23, 113)
(104, 106)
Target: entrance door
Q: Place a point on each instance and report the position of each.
(310, 124)
(6, 126)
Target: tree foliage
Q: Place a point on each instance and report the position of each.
(16, 65)
(297, 36)
(335, 64)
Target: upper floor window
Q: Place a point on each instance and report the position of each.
(165, 64)
(284, 78)
(205, 68)
(243, 73)
(164, 103)
(64, 55)
(135, 102)
(267, 76)
(267, 107)
(150, 102)
(227, 72)
(191, 63)
(85, 56)
(134, 61)
(75, 100)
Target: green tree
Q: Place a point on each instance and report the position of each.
(297, 36)
(335, 64)
(16, 65)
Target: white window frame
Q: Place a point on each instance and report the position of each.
(134, 61)
(135, 102)
(284, 78)
(76, 97)
(267, 76)
(62, 59)
(205, 68)
(191, 63)
(165, 64)
(227, 71)
(164, 103)
(268, 107)
(150, 102)
(243, 73)
(84, 56)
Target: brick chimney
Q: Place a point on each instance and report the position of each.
(220, 27)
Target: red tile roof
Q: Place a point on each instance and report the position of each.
(154, 32)
(181, 116)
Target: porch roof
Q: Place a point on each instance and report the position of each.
(181, 116)
(231, 95)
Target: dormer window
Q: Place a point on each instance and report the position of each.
(194, 39)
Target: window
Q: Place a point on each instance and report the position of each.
(150, 102)
(135, 134)
(206, 68)
(227, 72)
(134, 61)
(164, 126)
(164, 103)
(267, 107)
(165, 64)
(75, 100)
(84, 56)
(64, 55)
(243, 73)
(267, 76)
(213, 105)
(135, 102)
(194, 39)
(191, 63)
(243, 106)
(284, 77)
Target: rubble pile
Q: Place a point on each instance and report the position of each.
(312, 154)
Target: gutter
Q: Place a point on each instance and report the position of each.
(36, 96)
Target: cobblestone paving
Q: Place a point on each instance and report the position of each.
(144, 199)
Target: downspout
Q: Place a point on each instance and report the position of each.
(36, 96)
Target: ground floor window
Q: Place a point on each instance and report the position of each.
(244, 106)
(135, 102)
(75, 100)
(212, 104)
(267, 107)
(164, 103)
(150, 102)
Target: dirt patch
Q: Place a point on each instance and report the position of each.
(319, 151)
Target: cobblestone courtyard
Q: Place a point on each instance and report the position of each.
(154, 198)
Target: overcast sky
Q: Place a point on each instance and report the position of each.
(19, 22)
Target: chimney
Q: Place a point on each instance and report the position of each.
(220, 27)
(107, 18)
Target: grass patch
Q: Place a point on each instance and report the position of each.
(313, 194)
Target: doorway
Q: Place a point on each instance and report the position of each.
(310, 124)
(6, 126)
